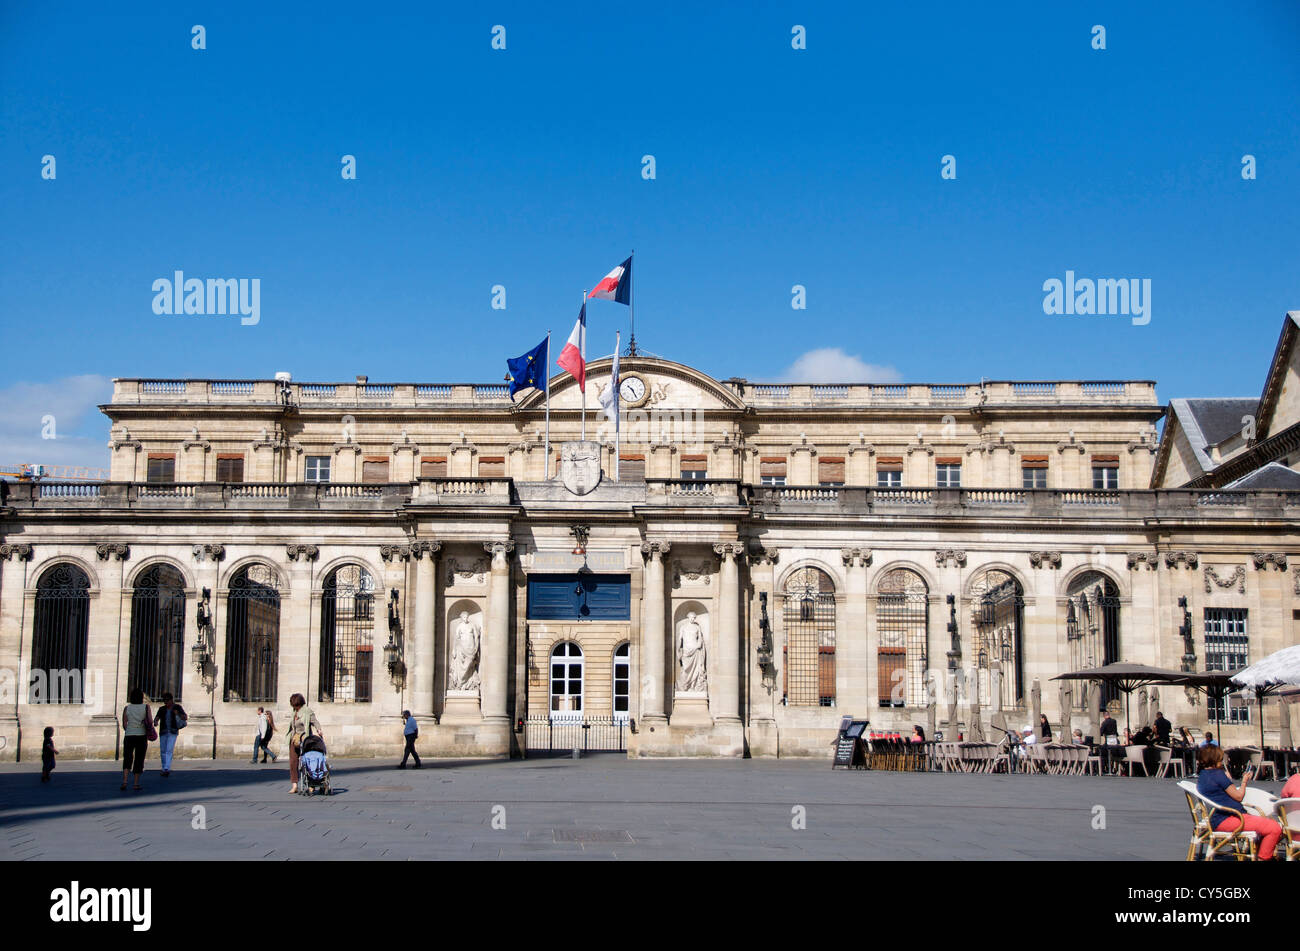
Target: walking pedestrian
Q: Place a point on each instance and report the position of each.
(137, 725)
(171, 719)
(48, 753)
(262, 741)
(302, 726)
(411, 731)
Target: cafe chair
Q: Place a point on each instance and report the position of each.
(1205, 839)
(1288, 816)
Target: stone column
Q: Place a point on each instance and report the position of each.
(727, 672)
(494, 654)
(652, 632)
(761, 708)
(108, 651)
(851, 636)
(422, 647)
(13, 580)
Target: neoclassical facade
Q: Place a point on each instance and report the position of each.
(769, 559)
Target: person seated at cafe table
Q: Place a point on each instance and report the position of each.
(918, 735)
(1143, 737)
(1208, 741)
(1214, 784)
(1291, 788)
(1077, 738)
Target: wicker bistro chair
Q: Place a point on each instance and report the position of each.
(1288, 816)
(1205, 839)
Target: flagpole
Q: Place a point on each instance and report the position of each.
(582, 343)
(547, 382)
(631, 309)
(618, 341)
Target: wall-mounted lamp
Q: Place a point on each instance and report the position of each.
(580, 535)
(392, 651)
(200, 653)
(954, 655)
(765, 637)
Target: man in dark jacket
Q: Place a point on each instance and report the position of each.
(1108, 727)
(1163, 729)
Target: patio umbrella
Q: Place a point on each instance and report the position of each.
(1215, 684)
(1144, 715)
(1094, 709)
(1036, 704)
(1270, 675)
(976, 726)
(1066, 698)
(1284, 739)
(952, 711)
(931, 706)
(1126, 677)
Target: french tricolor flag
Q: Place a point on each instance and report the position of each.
(616, 285)
(573, 356)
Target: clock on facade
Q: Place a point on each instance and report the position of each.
(633, 390)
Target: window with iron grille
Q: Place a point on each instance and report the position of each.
(948, 475)
(252, 636)
(318, 469)
(60, 636)
(158, 632)
(808, 613)
(230, 468)
(347, 635)
(1227, 647)
(998, 609)
(902, 629)
(622, 681)
(161, 469)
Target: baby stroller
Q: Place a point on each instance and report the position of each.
(313, 767)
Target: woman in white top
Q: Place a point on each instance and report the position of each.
(136, 722)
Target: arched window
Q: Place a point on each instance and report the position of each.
(808, 613)
(60, 636)
(158, 632)
(566, 681)
(252, 635)
(622, 681)
(347, 627)
(1092, 628)
(998, 608)
(902, 623)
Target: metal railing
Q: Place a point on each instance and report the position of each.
(562, 735)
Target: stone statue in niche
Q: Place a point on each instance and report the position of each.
(692, 656)
(464, 655)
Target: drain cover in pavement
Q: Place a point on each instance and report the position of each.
(592, 835)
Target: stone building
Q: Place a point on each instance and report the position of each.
(769, 558)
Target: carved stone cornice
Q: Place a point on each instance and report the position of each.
(1188, 559)
(804, 447)
(654, 550)
(405, 447)
(398, 552)
(866, 447)
(1141, 444)
(425, 547)
(116, 444)
(955, 557)
(929, 450)
(209, 552)
(197, 444)
(1263, 560)
(762, 555)
(346, 447)
(113, 550)
(467, 572)
(1238, 578)
(306, 552)
(1045, 559)
(1062, 446)
(727, 550)
(1147, 559)
(855, 557)
(499, 548)
(21, 552)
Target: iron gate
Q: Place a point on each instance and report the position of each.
(347, 636)
(62, 628)
(157, 632)
(544, 735)
(252, 635)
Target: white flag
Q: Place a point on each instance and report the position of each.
(609, 399)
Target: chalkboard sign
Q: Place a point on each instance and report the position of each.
(849, 750)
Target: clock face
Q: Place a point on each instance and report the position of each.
(632, 389)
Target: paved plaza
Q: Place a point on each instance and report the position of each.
(600, 807)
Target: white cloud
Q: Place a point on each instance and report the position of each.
(833, 365)
(66, 408)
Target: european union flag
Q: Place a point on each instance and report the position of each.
(528, 370)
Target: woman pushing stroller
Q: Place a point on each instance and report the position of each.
(304, 725)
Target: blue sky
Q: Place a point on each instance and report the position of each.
(522, 167)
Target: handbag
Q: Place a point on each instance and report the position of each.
(150, 733)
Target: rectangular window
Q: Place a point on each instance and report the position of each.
(1033, 472)
(230, 468)
(433, 467)
(1105, 472)
(492, 467)
(889, 478)
(161, 468)
(374, 469)
(318, 469)
(1227, 648)
(631, 468)
(771, 470)
(830, 470)
(695, 467)
(891, 671)
(948, 473)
